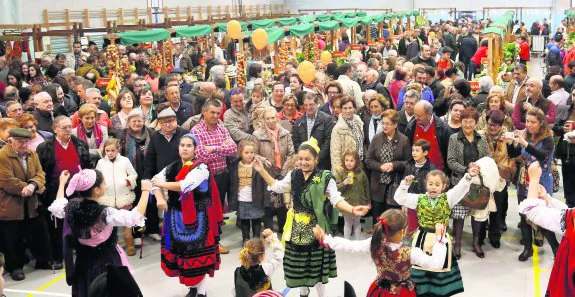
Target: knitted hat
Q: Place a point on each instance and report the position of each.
(81, 181)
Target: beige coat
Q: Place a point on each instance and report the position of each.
(265, 146)
(342, 140)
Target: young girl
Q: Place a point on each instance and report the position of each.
(120, 177)
(247, 191)
(254, 276)
(257, 107)
(435, 207)
(90, 228)
(392, 259)
(354, 186)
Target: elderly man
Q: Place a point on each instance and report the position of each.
(558, 94)
(94, 97)
(534, 99)
(63, 152)
(181, 59)
(516, 91)
(372, 82)
(215, 145)
(21, 179)
(425, 57)
(316, 124)
(182, 109)
(237, 119)
(44, 111)
(450, 41)
(13, 109)
(431, 128)
(407, 113)
(350, 87)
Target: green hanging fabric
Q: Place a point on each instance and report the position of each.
(307, 18)
(262, 24)
(366, 20)
(301, 30)
(348, 23)
(223, 26)
(324, 17)
(194, 31)
(327, 26)
(287, 21)
(144, 36)
(362, 14)
(379, 18)
(275, 34)
(339, 17)
(350, 15)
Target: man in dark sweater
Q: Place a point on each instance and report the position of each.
(424, 57)
(44, 112)
(182, 109)
(162, 151)
(570, 78)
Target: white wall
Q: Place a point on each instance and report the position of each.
(31, 10)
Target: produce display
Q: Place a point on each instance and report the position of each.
(112, 60)
(283, 55)
(311, 51)
(241, 72)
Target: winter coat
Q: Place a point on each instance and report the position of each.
(467, 48)
(505, 164)
(13, 179)
(321, 131)
(260, 197)
(357, 193)
(418, 185)
(455, 154)
(238, 124)
(120, 178)
(265, 146)
(342, 139)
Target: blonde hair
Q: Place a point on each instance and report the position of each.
(243, 144)
(251, 252)
(112, 141)
(86, 109)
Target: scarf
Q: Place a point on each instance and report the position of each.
(274, 136)
(97, 134)
(387, 149)
(131, 143)
(356, 133)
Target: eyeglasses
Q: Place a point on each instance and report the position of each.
(492, 125)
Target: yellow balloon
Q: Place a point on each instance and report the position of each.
(234, 29)
(306, 71)
(260, 38)
(325, 57)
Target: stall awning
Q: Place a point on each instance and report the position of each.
(275, 34)
(494, 30)
(339, 16)
(324, 17)
(361, 14)
(194, 31)
(287, 21)
(327, 26)
(144, 36)
(223, 26)
(307, 18)
(379, 18)
(366, 20)
(301, 30)
(262, 24)
(348, 23)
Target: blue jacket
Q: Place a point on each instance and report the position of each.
(426, 94)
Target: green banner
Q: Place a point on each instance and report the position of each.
(144, 36)
(362, 14)
(327, 26)
(348, 23)
(307, 18)
(194, 31)
(301, 30)
(339, 17)
(223, 26)
(324, 17)
(275, 34)
(366, 20)
(287, 21)
(262, 24)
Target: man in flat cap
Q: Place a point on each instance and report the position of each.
(21, 179)
(162, 151)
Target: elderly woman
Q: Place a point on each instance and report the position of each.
(290, 111)
(125, 102)
(332, 89)
(494, 133)
(534, 144)
(275, 144)
(494, 102)
(453, 117)
(147, 106)
(386, 158)
(347, 134)
(485, 85)
(466, 147)
(372, 127)
(27, 121)
(93, 133)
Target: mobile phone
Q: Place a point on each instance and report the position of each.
(509, 135)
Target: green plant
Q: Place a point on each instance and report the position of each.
(510, 51)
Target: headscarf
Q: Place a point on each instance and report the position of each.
(81, 181)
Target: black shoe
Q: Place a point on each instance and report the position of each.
(192, 293)
(503, 227)
(539, 243)
(526, 254)
(457, 256)
(495, 243)
(18, 275)
(479, 253)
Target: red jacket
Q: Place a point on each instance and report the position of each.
(479, 54)
(524, 53)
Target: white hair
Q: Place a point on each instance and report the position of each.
(92, 90)
(485, 83)
(68, 71)
(41, 96)
(392, 53)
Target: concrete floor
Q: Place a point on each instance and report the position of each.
(498, 274)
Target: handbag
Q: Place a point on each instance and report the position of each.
(477, 197)
(390, 192)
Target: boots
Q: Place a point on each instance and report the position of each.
(527, 237)
(256, 228)
(550, 236)
(129, 240)
(458, 231)
(245, 227)
(476, 228)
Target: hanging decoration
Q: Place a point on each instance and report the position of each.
(234, 29)
(260, 39)
(306, 71)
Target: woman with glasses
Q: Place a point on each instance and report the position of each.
(125, 102)
(494, 102)
(290, 112)
(466, 147)
(147, 106)
(332, 89)
(93, 133)
(27, 121)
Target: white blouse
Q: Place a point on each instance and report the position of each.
(114, 217)
(284, 186)
(549, 216)
(193, 179)
(418, 256)
(454, 195)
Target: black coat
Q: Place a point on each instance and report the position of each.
(441, 131)
(321, 131)
(185, 112)
(258, 187)
(419, 186)
(402, 121)
(45, 120)
(162, 153)
(46, 153)
(467, 48)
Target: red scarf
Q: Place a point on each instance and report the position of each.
(97, 132)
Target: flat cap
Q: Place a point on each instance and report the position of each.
(20, 133)
(167, 113)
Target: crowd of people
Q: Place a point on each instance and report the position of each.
(397, 126)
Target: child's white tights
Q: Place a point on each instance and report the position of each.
(351, 223)
(304, 291)
(202, 286)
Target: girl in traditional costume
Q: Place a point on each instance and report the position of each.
(315, 197)
(392, 259)
(91, 228)
(192, 221)
(254, 275)
(435, 207)
(554, 216)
